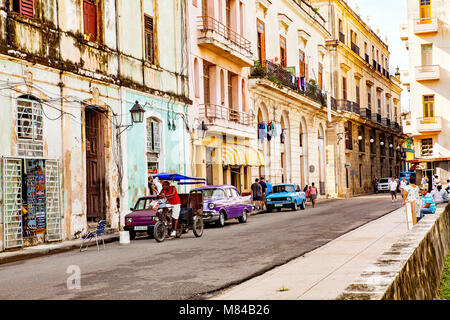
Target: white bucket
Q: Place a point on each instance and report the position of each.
(124, 237)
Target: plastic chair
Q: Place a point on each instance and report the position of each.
(95, 233)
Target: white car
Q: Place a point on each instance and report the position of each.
(383, 185)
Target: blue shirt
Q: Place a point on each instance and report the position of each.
(269, 187)
(429, 199)
(264, 186)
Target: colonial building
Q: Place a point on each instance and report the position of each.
(220, 54)
(287, 86)
(70, 71)
(426, 38)
(365, 137)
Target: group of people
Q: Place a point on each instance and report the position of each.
(260, 189)
(311, 193)
(425, 202)
(165, 190)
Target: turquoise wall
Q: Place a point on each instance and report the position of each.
(172, 147)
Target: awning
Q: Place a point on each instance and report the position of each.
(428, 160)
(254, 157)
(233, 155)
(176, 177)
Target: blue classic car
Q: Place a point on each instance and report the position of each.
(285, 196)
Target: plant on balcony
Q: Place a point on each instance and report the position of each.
(313, 83)
(276, 82)
(258, 70)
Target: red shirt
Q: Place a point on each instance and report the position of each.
(175, 199)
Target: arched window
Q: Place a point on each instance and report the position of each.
(30, 140)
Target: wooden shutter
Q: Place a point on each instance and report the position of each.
(283, 51)
(206, 88)
(26, 8)
(301, 63)
(428, 106)
(344, 88)
(90, 18)
(357, 95)
(321, 76)
(261, 41)
(149, 39)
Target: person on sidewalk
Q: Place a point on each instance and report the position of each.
(393, 189)
(428, 204)
(256, 194)
(313, 194)
(439, 195)
(269, 187)
(412, 194)
(264, 193)
(375, 184)
(448, 185)
(403, 184)
(436, 181)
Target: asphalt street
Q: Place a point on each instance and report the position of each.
(190, 268)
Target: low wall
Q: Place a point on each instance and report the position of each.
(412, 268)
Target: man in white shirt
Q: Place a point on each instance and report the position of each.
(436, 181)
(393, 189)
(440, 196)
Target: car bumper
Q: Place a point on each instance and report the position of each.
(210, 216)
(139, 228)
(284, 204)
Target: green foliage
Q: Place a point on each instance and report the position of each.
(444, 291)
(258, 70)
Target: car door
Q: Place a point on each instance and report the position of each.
(236, 203)
(297, 194)
(228, 203)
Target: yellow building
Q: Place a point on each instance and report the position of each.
(364, 138)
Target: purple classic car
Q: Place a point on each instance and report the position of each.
(222, 203)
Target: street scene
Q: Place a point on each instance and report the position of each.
(213, 150)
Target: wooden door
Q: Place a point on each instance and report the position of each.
(427, 55)
(95, 166)
(261, 41)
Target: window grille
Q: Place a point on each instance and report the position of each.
(153, 136)
(29, 128)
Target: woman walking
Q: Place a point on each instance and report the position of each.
(313, 194)
(412, 194)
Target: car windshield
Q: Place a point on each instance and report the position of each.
(283, 188)
(384, 180)
(143, 204)
(212, 193)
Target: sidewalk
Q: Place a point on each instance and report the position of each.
(51, 248)
(325, 272)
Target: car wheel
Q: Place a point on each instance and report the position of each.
(294, 206)
(221, 222)
(159, 231)
(243, 218)
(302, 205)
(197, 226)
(132, 235)
(279, 209)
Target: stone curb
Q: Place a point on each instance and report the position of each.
(23, 254)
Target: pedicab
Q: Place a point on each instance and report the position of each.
(153, 215)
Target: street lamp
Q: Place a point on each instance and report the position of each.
(137, 116)
(201, 130)
(371, 140)
(382, 143)
(391, 145)
(360, 138)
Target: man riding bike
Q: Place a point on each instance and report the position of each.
(170, 192)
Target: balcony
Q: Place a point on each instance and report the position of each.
(222, 116)
(404, 32)
(355, 48)
(224, 41)
(386, 122)
(376, 118)
(379, 68)
(355, 108)
(425, 26)
(374, 64)
(433, 124)
(366, 113)
(341, 37)
(367, 58)
(395, 126)
(344, 105)
(425, 73)
(281, 77)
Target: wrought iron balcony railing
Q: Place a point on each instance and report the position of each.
(213, 111)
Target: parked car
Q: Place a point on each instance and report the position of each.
(383, 185)
(223, 203)
(143, 217)
(286, 196)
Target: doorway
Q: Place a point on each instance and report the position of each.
(95, 165)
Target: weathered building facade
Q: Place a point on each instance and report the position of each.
(69, 73)
(365, 135)
(288, 86)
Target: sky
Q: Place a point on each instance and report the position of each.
(387, 16)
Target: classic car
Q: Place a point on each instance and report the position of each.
(143, 217)
(223, 203)
(285, 196)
